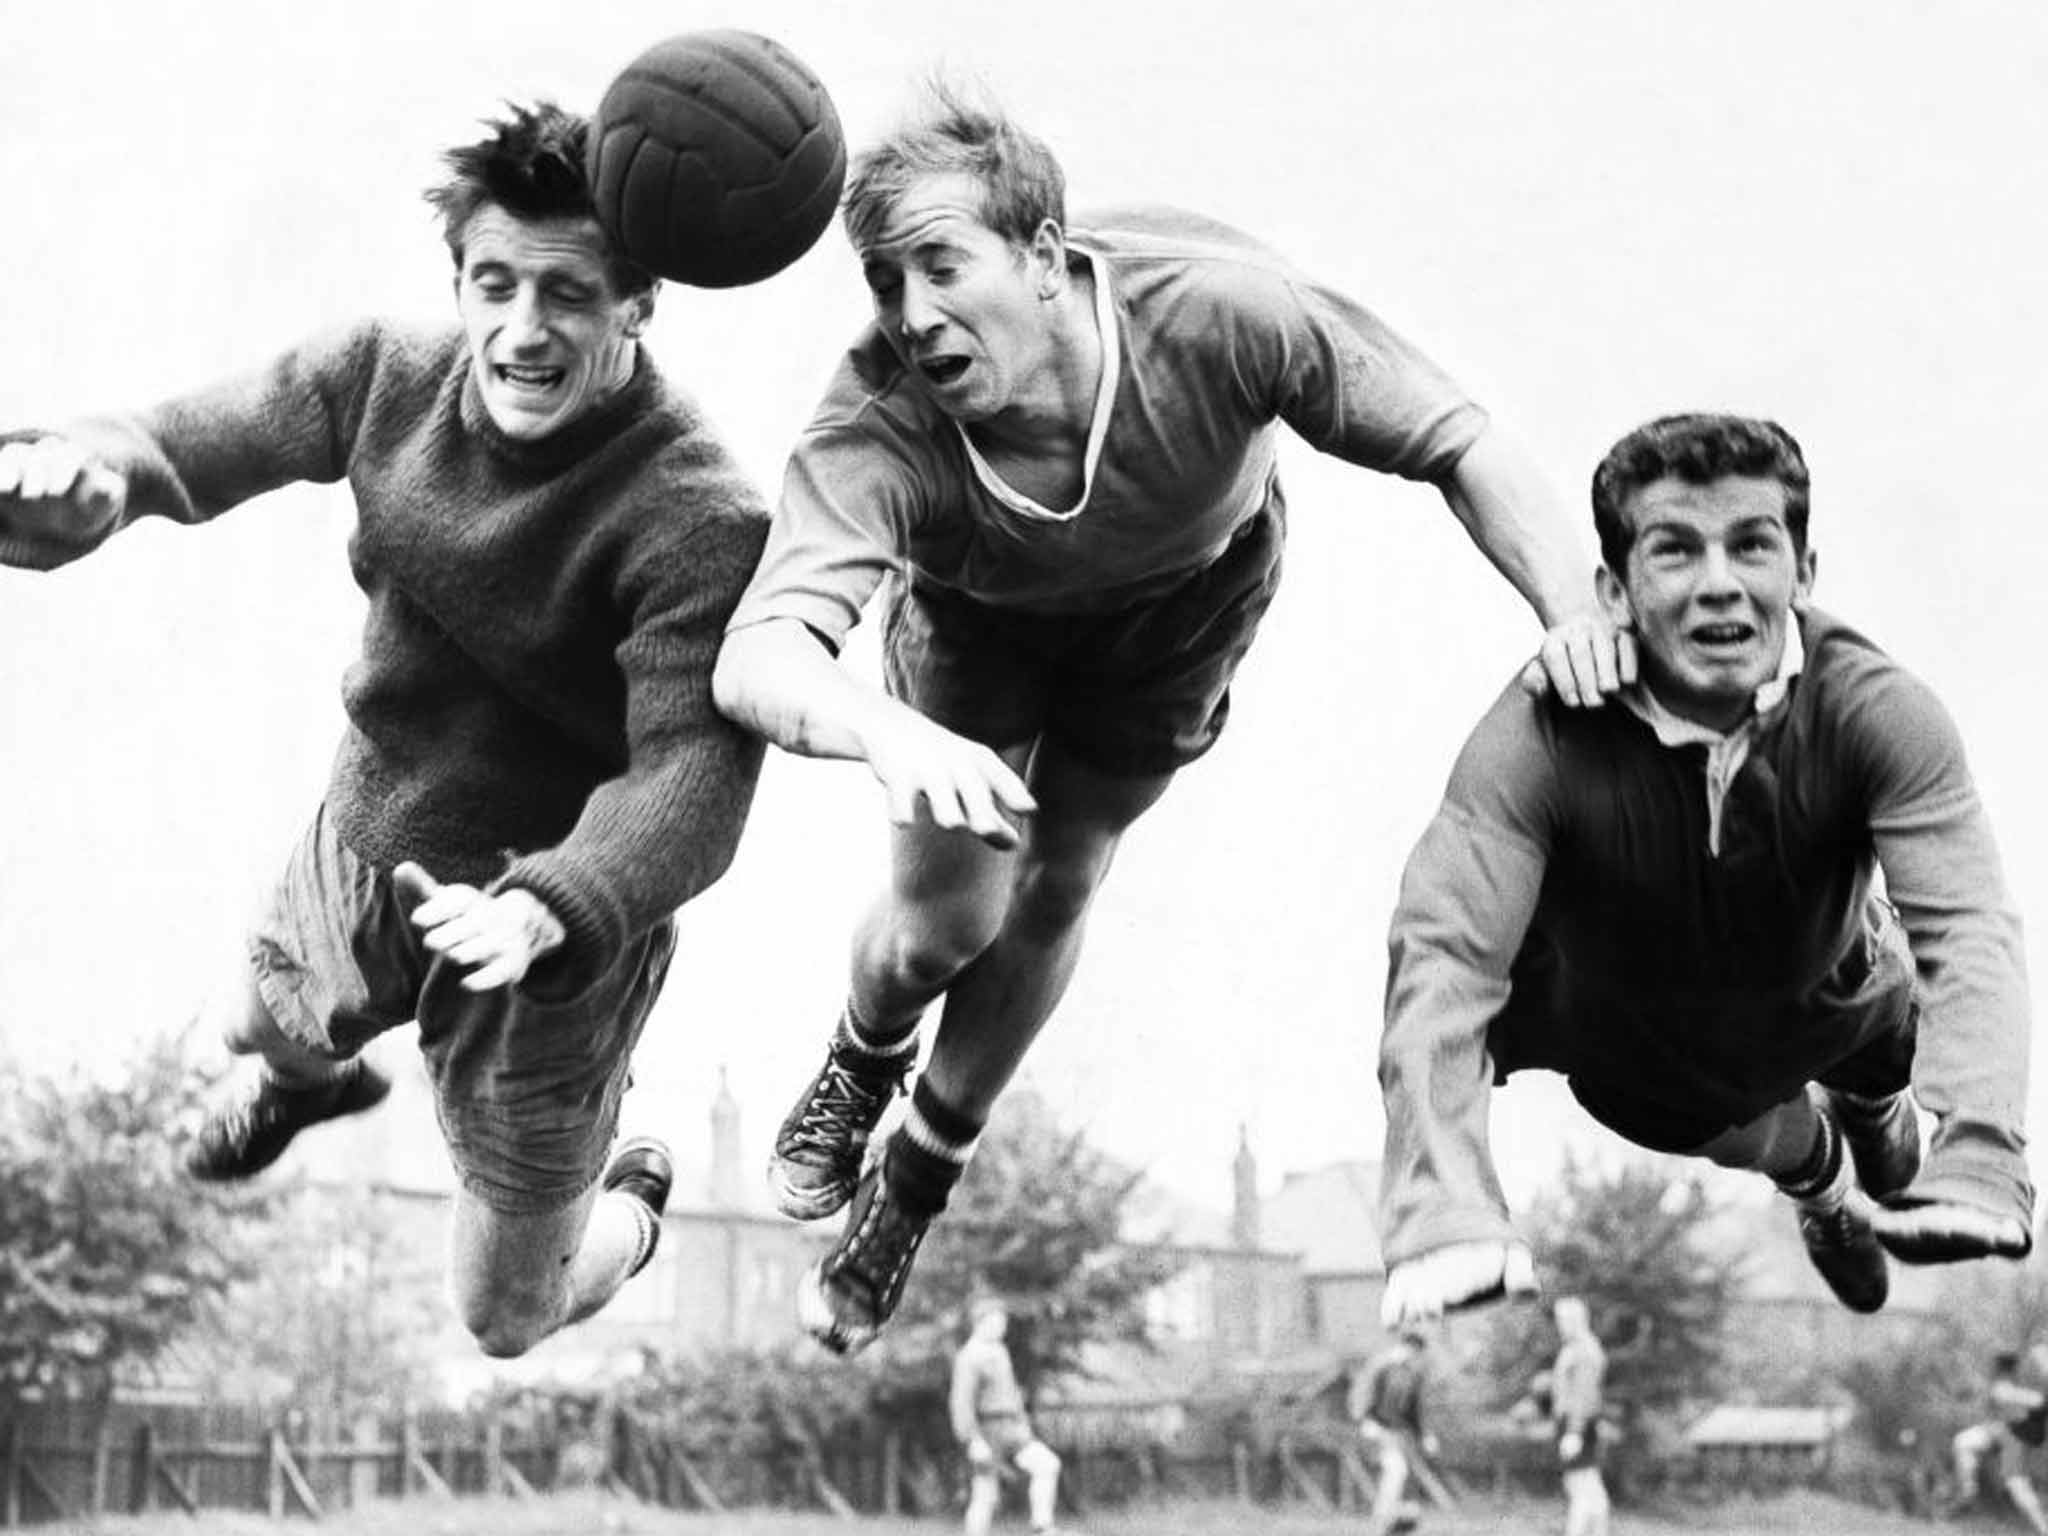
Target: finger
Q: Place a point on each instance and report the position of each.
(1605, 645)
(501, 972)
(446, 905)
(983, 817)
(1557, 665)
(1625, 656)
(1010, 790)
(100, 490)
(1581, 655)
(1535, 680)
(414, 884)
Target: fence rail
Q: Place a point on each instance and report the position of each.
(59, 1468)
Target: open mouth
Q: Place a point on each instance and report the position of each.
(1723, 636)
(528, 376)
(941, 371)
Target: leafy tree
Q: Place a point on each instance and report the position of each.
(1038, 1220)
(1634, 1243)
(108, 1252)
(334, 1321)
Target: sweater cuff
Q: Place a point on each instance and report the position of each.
(1977, 1164)
(594, 931)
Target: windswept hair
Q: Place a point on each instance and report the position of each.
(530, 165)
(1698, 448)
(1021, 182)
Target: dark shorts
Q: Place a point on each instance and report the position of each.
(527, 1092)
(1653, 1084)
(1588, 1452)
(1009, 1436)
(1142, 690)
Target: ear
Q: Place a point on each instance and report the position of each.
(639, 312)
(1807, 569)
(1048, 254)
(1613, 596)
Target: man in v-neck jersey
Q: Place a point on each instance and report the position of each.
(1063, 444)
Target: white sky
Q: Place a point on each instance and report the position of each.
(1590, 212)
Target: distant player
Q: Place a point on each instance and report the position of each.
(1577, 1395)
(1386, 1404)
(1671, 902)
(989, 1421)
(533, 776)
(1063, 439)
(2016, 1418)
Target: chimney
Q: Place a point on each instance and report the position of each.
(1244, 1205)
(726, 1185)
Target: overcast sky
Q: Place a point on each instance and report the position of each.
(1591, 213)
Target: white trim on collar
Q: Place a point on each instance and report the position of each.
(1098, 426)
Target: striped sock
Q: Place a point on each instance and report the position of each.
(1824, 1181)
(856, 1032)
(931, 1150)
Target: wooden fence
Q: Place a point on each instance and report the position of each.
(56, 1466)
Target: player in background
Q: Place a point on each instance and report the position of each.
(1386, 1404)
(533, 775)
(2016, 1417)
(1062, 439)
(1577, 1379)
(1671, 902)
(989, 1420)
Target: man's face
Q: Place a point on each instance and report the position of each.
(991, 1324)
(1710, 586)
(960, 304)
(549, 336)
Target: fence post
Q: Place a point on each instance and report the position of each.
(273, 1461)
(10, 1475)
(139, 1480)
(892, 1469)
(102, 1464)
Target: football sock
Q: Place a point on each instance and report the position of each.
(930, 1151)
(856, 1032)
(1823, 1179)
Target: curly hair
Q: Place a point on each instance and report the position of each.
(1697, 447)
(530, 165)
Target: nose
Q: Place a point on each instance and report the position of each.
(526, 320)
(1717, 581)
(919, 315)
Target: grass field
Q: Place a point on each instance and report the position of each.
(1794, 1515)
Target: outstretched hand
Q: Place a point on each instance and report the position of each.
(55, 489)
(1946, 1231)
(495, 938)
(1584, 658)
(1422, 1289)
(960, 784)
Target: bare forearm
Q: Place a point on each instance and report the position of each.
(777, 680)
(1520, 525)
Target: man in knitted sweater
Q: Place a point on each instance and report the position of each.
(1672, 903)
(533, 777)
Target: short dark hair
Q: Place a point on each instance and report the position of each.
(1022, 184)
(1697, 447)
(530, 165)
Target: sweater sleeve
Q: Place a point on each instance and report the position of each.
(1468, 896)
(1942, 871)
(654, 836)
(195, 456)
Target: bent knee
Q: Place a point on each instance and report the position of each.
(506, 1333)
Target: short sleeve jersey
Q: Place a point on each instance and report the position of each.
(1210, 343)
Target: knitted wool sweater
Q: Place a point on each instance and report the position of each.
(532, 704)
